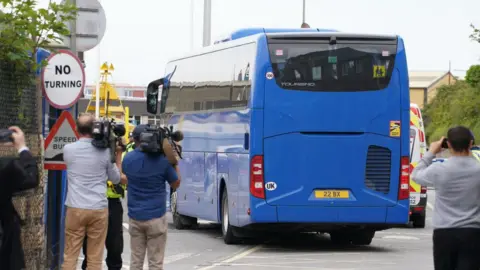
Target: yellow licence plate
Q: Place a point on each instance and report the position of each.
(332, 194)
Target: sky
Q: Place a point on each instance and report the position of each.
(143, 35)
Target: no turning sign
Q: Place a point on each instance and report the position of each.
(63, 79)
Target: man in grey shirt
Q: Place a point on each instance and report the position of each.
(456, 220)
(88, 169)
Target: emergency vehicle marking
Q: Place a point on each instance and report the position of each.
(416, 123)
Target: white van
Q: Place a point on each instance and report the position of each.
(418, 148)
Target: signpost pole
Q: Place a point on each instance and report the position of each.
(207, 22)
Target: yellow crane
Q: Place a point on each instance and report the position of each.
(110, 102)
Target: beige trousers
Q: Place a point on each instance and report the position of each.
(81, 222)
(148, 237)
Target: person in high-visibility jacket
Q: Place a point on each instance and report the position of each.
(476, 152)
(114, 241)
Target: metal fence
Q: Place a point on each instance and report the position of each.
(20, 104)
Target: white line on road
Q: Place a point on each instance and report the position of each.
(429, 205)
(125, 225)
(233, 258)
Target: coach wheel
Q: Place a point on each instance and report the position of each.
(227, 230)
(177, 219)
(340, 238)
(363, 238)
(180, 221)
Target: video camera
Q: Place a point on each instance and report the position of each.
(106, 134)
(152, 139)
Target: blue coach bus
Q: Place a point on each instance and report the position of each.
(292, 129)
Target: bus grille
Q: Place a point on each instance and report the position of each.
(377, 172)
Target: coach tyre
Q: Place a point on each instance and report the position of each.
(227, 230)
(180, 221)
(341, 238)
(177, 220)
(363, 237)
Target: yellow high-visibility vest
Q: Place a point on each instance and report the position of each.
(111, 192)
(476, 154)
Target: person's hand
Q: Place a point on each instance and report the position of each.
(121, 145)
(18, 137)
(436, 147)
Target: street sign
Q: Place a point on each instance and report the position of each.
(62, 133)
(91, 25)
(63, 79)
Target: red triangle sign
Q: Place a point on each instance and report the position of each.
(63, 132)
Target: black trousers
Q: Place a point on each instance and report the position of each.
(114, 241)
(456, 249)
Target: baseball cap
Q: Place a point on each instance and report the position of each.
(138, 130)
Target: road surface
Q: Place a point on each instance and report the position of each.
(202, 249)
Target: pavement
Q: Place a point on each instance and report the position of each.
(203, 248)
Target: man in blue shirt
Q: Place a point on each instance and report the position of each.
(147, 176)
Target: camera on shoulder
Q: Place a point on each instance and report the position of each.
(107, 134)
(152, 137)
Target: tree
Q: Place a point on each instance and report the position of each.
(473, 76)
(476, 34)
(24, 29)
(455, 104)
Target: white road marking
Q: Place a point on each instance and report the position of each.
(429, 205)
(126, 265)
(233, 258)
(400, 237)
(403, 233)
(258, 265)
(125, 225)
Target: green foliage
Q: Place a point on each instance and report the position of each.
(456, 104)
(473, 75)
(476, 34)
(24, 29)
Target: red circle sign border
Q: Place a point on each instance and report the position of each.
(43, 80)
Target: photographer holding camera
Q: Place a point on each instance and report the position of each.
(88, 168)
(17, 175)
(456, 220)
(148, 169)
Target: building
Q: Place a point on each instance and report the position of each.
(424, 85)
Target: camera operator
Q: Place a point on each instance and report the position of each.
(114, 240)
(456, 220)
(17, 175)
(147, 175)
(88, 168)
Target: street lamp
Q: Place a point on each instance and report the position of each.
(304, 24)
(207, 22)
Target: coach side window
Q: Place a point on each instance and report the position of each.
(243, 68)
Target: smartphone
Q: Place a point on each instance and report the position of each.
(444, 143)
(6, 136)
